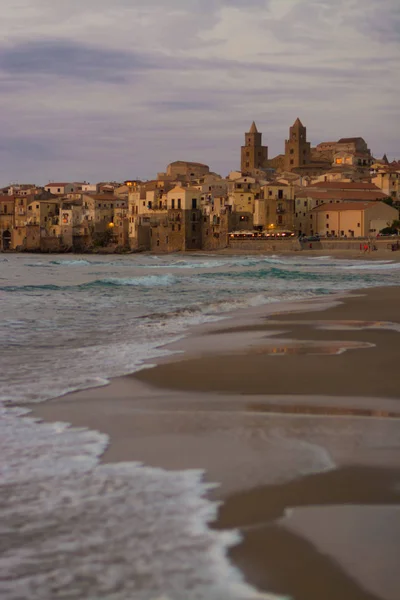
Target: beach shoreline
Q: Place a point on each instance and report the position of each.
(223, 388)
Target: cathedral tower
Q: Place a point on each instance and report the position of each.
(297, 149)
(254, 155)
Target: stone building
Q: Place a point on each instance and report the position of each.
(253, 154)
(274, 209)
(297, 149)
(388, 180)
(7, 217)
(182, 170)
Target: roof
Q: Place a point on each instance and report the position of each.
(342, 195)
(298, 123)
(53, 184)
(350, 139)
(345, 185)
(253, 128)
(340, 206)
(105, 197)
(186, 162)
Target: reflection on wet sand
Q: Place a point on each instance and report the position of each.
(340, 325)
(333, 411)
(307, 347)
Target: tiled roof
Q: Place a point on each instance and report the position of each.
(340, 206)
(366, 195)
(348, 140)
(105, 197)
(345, 185)
(56, 184)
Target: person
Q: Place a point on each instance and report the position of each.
(365, 247)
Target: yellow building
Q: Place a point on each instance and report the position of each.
(388, 180)
(351, 219)
(275, 207)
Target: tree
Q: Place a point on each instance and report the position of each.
(392, 229)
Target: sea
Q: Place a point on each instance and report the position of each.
(72, 527)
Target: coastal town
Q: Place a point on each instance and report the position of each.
(335, 190)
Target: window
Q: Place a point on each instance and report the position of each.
(58, 190)
(194, 203)
(194, 227)
(173, 203)
(179, 203)
(327, 216)
(292, 162)
(305, 202)
(247, 164)
(179, 227)
(327, 225)
(291, 151)
(280, 194)
(37, 205)
(358, 225)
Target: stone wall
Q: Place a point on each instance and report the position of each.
(290, 245)
(260, 245)
(50, 244)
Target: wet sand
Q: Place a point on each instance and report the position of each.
(297, 421)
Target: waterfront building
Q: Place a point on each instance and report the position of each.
(351, 219)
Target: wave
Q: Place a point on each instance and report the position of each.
(32, 288)
(378, 265)
(68, 263)
(144, 280)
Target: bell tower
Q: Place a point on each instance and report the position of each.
(297, 149)
(253, 154)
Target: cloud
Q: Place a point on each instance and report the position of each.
(58, 59)
(95, 89)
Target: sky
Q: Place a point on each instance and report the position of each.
(95, 90)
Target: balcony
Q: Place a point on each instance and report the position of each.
(280, 210)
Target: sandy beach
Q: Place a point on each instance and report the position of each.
(296, 416)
